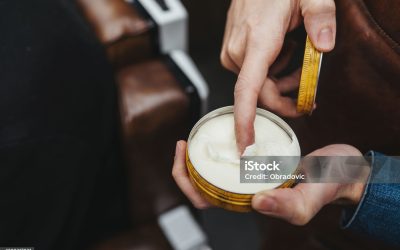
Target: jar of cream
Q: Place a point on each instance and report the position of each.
(213, 161)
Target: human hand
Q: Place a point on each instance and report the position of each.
(254, 35)
(300, 204)
(182, 179)
(296, 205)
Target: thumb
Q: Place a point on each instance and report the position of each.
(296, 205)
(320, 22)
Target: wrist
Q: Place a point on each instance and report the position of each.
(354, 193)
(351, 193)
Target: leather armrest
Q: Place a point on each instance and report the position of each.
(154, 115)
(127, 36)
(113, 19)
(154, 108)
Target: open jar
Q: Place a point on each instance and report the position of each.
(213, 161)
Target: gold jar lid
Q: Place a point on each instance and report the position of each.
(309, 78)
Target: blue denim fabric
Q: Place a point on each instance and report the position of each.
(378, 213)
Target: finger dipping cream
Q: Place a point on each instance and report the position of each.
(213, 161)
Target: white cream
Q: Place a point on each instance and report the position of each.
(214, 154)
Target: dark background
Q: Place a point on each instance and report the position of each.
(206, 30)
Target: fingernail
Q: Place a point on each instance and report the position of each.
(264, 204)
(325, 38)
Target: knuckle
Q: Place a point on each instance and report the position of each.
(243, 89)
(245, 85)
(174, 173)
(224, 59)
(314, 7)
(199, 205)
(233, 51)
(271, 101)
(222, 56)
(242, 82)
(273, 104)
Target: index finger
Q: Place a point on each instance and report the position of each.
(248, 86)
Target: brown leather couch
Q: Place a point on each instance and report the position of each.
(155, 112)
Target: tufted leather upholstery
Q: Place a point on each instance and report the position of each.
(154, 111)
(126, 34)
(154, 115)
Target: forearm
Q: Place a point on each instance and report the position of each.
(378, 213)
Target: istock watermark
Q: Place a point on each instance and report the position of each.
(269, 169)
(314, 169)
(254, 165)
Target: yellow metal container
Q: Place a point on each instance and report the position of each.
(222, 198)
(309, 78)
